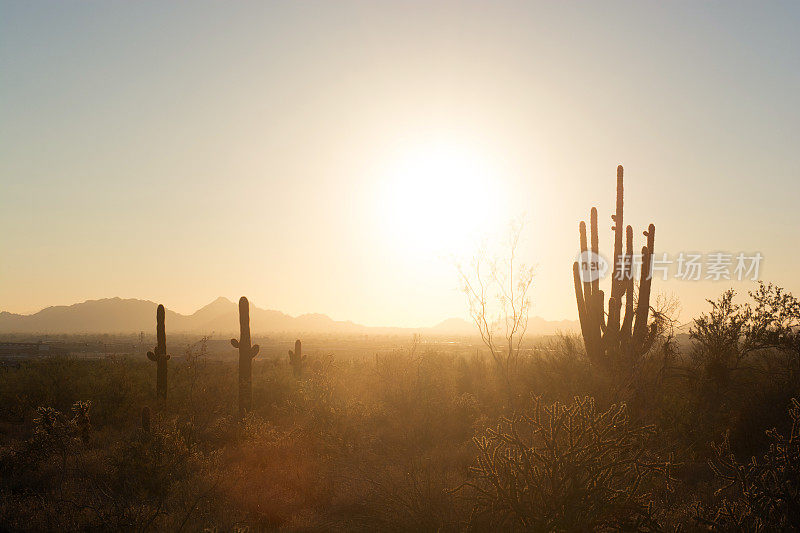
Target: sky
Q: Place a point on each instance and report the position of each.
(342, 157)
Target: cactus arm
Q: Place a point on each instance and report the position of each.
(642, 306)
(234, 343)
(640, 331)
(152, 356)
(576, 276)
(254, 350)
(595, 246)
(592, 329)
(618, 231)
(627, 322)
(640, 327)
(617, 278)
(587, 286)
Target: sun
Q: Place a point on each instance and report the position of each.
(441, 197)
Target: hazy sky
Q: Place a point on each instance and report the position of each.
(333, 156)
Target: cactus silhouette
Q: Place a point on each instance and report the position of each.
(159, 355)
(296, 359)
(611, 333)
(246, 355)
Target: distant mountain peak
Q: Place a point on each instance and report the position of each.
(129, 315)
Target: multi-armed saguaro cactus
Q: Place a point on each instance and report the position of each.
(159, 355)
(603, 333)
(296, 359)
(246, 355)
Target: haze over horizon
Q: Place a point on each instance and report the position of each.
(337, 158)
(221, 316)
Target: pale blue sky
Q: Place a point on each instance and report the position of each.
(182, 151)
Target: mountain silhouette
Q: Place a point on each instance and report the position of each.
(118, 315)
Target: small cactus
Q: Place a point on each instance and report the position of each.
(159, 355)
(246, 355)
(296, 359)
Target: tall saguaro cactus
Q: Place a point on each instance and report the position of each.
(159, 355)
(246, 355)
(611, 333)
(296, 359)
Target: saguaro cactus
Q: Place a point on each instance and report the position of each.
(296, 359)
(159, 355)
(603, 333)
(246, 355)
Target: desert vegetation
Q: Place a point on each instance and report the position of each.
(375, 266)
(418, 439)
(631, 426)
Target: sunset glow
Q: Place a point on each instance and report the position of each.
(249, 145)
(399, 265)
(442, 198)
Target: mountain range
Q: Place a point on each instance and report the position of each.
(117, 315)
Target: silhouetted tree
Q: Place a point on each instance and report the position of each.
(497, 290)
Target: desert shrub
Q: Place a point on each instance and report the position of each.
(275, 477)
(58, 480)
(740, 365)
(764, 493)
(273, 385)
(420, 398)
(378, 443)
(200, 392)
(150, 480)
(565, 467)
(116, 386)
(409, 494)
(721, 350)
(733, 338)
(773, 320)
(55, 433)
(556, 370)
(40, 462)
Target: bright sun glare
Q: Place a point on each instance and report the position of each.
(442, 198)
